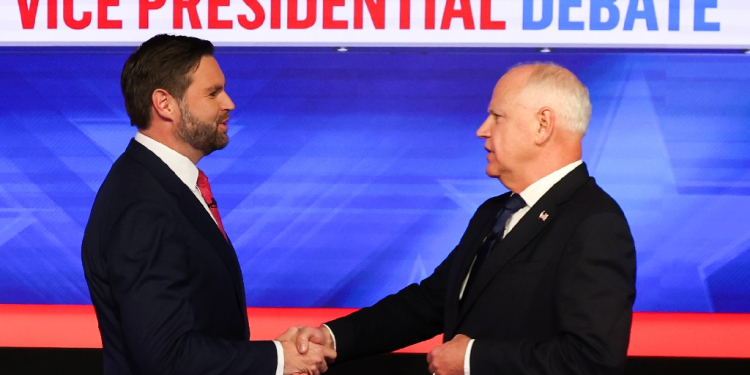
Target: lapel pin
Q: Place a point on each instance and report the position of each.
(543, 216)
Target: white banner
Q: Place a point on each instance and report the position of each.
(455, 23)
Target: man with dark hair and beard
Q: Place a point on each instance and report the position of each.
(163, 275)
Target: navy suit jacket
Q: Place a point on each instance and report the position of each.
(165, 283)
(554, 296)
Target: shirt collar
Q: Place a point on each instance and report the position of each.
(535, 191)
(185, 170)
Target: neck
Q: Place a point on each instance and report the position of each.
(165, 136)
(538, 169)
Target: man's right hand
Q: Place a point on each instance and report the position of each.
(313, 359)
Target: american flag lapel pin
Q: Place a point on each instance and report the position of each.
(543, 216)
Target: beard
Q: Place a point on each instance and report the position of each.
(202, 136)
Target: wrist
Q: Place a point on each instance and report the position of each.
(330, 337)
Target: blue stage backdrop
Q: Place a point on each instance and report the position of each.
(350, 175)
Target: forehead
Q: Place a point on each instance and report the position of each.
(208, 73)
(509, 86)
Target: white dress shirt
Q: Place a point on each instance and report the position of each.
(187, 172)
(530, 195)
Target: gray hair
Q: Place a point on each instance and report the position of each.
(552, 85)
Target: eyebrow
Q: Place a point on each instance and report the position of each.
(215, 88)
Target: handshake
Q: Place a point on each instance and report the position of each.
(307, 350)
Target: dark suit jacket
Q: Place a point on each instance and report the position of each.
(166, 285)
(555, 296)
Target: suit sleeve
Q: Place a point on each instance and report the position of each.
(412, 315)
(594, 299)
(148, 270)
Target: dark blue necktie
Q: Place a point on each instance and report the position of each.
(512, 204)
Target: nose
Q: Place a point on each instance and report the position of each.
(484, 129)
(227, 103)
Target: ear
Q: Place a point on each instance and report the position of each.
(546, 120)
(164, 105)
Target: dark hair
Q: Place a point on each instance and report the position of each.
(162, 62)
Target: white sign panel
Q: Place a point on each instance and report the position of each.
(460, 23)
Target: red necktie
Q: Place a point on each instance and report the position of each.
(205, 189)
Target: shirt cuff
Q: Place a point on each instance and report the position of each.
(279, 358)
(333, 337)
(467, 358)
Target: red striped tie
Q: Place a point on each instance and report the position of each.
(205, 189)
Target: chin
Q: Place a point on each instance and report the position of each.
(223, 143)
(222, 140)
(492, 172)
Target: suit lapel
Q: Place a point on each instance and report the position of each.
(471, 252)
(467, 252)
(194, 211)
(525, 231)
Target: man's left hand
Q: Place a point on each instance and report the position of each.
(448, 359)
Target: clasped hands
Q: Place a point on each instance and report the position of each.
(307, 350)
